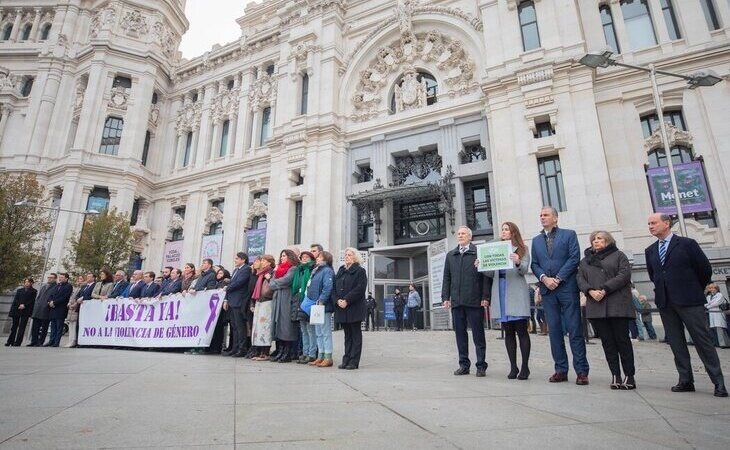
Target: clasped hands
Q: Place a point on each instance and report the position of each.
(342, 303)
(597, 294)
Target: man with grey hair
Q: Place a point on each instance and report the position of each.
(465, 290)
(680, 271)
(555, 257)
(135, 286)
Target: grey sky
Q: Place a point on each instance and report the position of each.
(211, 22)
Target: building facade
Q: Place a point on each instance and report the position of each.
(377, 124)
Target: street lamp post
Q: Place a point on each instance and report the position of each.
(604, 58)
(55, 223)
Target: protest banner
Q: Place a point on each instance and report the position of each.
(494, 256)
(177, 320)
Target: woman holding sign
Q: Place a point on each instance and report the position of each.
(511, 301)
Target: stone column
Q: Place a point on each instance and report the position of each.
(622, 35)
(45, 111)
(232, 131)
(89, 115)
(203, 138)
(243, 137)
(5, 111)
(16, 25)
(34, 29)
(660, 26)
(256, 129)
(215, 144)
(138, 113)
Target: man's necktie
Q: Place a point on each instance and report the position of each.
(662, 251)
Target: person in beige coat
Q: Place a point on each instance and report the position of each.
(73, 313)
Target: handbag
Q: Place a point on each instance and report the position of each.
(306, 305)
(316, 315)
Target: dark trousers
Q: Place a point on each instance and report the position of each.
(473, 316)
(614, 334)
(562, 309)
(412, 315)
(353, 344)
(650, 329)
(216, 342)
(371, 321)
(39, 331)
(56, 332)
(17, 330)
(398, 319)
(675, 319)
(238, 329)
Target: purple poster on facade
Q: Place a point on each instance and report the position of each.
(256, 242)
(694, 195)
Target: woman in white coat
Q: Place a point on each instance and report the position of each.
(718, 320)
(510, 301)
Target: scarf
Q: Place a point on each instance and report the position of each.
(595, 257)
(301, 276)
(283, 268)
(257, 288)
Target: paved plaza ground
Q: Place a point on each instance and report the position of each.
(403, 396)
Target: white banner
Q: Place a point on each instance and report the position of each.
(173, 254)
(177, 320)
(212, 247)
(437, 258)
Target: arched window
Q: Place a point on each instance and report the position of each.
(26, 32)
(431, 89)
(6, 33)
(45, 31)
(112, 136)
(609, 32)
(27, 87)
(304, 98)
(638, 23)
(680, 153)
(528, 25)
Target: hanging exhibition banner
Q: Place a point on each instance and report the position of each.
(694, 196)
(173, 254)
(255, 243)
(212, 247)
(437, 258)
(494, 256)
(177, 320)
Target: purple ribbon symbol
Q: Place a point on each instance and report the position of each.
(213, 305)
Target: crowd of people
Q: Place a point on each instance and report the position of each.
(677, 266)
(268, 302)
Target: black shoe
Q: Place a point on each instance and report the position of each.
(513, 373)
(481, 373)
(616, 382)
(7, 344)
(32, 345)
(684, 386)
(342, 366)
(350, 367)
(524, 374)
(284, 359)
(720, 390)
(462, 371)
(46, 345)
(629, 383)
(228, 353)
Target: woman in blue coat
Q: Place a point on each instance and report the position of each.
(319, 290)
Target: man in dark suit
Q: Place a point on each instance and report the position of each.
(41, 312)
(134, 290)
(399, 303)
(120, 284)
(175, 284)
(150, 289)
(555, 258)
(88, 288)
(166, 276)
(465, 290)
(58, 304)
(236, 302)
(207, 276)
(680, 271)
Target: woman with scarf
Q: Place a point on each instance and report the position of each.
(261, 299)
(299, 284)
(285, 331)
(188, 276)
(604, 276)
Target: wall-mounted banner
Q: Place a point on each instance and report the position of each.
(212, 247)
(173, 254)
(255, 243)
(694, 196)
(437, 258)
(178, 320)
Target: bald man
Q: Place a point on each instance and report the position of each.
(680, 271)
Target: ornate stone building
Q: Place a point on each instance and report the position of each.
(379, 124)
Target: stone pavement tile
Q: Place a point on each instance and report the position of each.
(180, 362)
(49, 390)
(396, 439)
(707, 433)
(259, 423)
(402, 388)
(657, 431)
(150, 388)
(591, 407)
(131, 426)
(290, 374)
(15, 417)
(700, 402)
(328, 391)
(496, 384)
(577, 436)
(472, 414)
